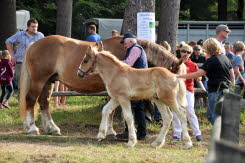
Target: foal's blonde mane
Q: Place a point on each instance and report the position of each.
(157, 55)
(113, 58)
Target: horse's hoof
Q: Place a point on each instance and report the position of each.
(111, 137)
(99, 140)
(33, 132)
(100, 136)
(111, 132)
(188, 145)
(56, 134)
(132, 143)
(156, 144)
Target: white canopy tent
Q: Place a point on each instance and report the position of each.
(22, 16)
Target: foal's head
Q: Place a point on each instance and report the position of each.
(88, 62)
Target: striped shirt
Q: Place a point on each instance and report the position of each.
(23, 40)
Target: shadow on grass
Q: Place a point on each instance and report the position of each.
(63, 141)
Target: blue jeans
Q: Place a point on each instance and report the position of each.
(14, 82)
(213, 98)
(10, 89)
(205, 84)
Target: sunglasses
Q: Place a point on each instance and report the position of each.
(185, 51)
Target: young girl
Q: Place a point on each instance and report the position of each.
(186, 52)
(6, 77)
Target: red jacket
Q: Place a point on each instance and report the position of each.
(6, 71)
(191, 67)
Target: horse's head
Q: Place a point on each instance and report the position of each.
(88, 62)
(176, 66)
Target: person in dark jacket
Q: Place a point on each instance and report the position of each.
(6, 77)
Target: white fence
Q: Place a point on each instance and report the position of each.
(187, 30)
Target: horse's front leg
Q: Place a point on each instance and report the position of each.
(128, 116)
(48, 123)
(110, 130)
(108, 108)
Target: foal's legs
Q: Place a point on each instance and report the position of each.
(128, 116)
(181, 114)
(48, 123)
(108, 108)
(110, 130)
(167, 118)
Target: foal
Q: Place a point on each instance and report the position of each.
(124, 83)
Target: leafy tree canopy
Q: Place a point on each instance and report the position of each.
(45, 12)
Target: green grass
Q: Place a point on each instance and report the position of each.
(79, 123)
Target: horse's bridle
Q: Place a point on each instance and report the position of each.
(91, 68)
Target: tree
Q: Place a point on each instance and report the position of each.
(130, 15)
(222, 10)
(199, 9)
(64, 17)
(168, 23)
(8, 20)
(240, 9)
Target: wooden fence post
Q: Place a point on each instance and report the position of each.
(227, 152)
(211, 157)
(231, 117)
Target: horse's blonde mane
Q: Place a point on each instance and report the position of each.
(113, 58)
(157, 55)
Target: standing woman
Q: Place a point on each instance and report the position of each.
(220, 73)
(185, 52)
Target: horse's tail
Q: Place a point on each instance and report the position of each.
(24, 85)
(181, 94)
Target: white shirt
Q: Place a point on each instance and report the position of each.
(221, 46)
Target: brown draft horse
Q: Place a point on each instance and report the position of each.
(124, 83)
(57, 58)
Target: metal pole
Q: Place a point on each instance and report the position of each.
(207, 30)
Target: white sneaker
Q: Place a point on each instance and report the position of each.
(5, 104)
